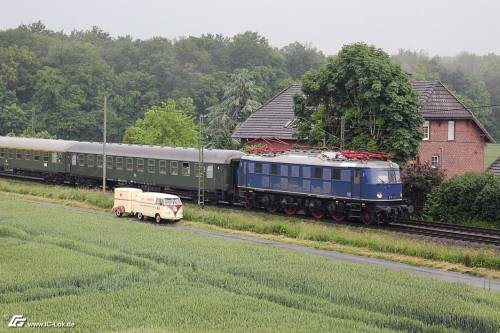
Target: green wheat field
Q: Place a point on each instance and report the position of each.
(110, 274)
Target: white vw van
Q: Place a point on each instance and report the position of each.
(159, 206)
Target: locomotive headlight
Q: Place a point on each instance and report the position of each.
(379, 195)
(401, 194)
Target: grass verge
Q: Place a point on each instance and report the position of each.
(481, 261)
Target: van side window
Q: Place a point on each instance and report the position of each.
(109, 162)
(90, 161)
(151, 166)
(130, 164)
(99, 161)
(174, 168)
(162, 166)
(140, 165)
(119, 163)
(186, 169)
(81, 160)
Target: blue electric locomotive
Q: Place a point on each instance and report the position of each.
(322, 184)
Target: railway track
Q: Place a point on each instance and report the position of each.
(448, 231)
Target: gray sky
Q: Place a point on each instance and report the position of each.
(443, 27)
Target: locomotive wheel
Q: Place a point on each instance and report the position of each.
(318, 213)
(367, 216)
(140, 217)
(338, 217)
(158, 218)
(272, 209)
(290, 210)
(248, 205)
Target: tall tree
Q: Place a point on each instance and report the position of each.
(239, 101)
(164, 125)
(300, 58)
(372, 93)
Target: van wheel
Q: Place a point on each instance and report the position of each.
(158, 218)
(140, 217)
(118, 213)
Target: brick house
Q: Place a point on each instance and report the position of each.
(454, 139)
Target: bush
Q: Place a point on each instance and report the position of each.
(418, 182)
(472, 196)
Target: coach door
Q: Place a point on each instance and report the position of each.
(356, 183)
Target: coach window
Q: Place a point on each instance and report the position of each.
(162, 167)
(274, 169)
(99, 161)
(258, 167)
(318, 173)
(210, 171)
(119, 163)
(46, 157)
(19, 155)
(56, 158)
(81, 159)
(130, 164)
(186, 169)
(12, 153)
(174, 168)
(2, 152)
(27, 154)
(109, 162)
(36, 156)
(140, 165)
(90, 161)
(151, 166)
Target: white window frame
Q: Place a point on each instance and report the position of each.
(451, 130)
(426, 131)
(436, 159)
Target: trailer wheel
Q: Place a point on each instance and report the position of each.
(140, 217)
(158, 218)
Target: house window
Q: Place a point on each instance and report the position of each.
(90, 161)
(81, 160)
(258, 167)
(140, 165)
(151, 166)
(451, 130)
(119, 163)
(435, 160)
(186, 170)
(163, 167)
(174, 168)
(426, 130)
(99, 161)
(130, 164)
(109, 162)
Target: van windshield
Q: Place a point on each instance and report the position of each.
(172, 202)
(387, 177)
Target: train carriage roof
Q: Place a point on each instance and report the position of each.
(35, 144)
(168, 153)
(317, 160)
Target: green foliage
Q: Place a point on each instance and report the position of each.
(28, 133)
(418, 182)
(239, 101)
(372, 93)
(146, 278)
(165, 125)
(472, 196)
(302, 58)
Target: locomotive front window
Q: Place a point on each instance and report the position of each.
(387, 177)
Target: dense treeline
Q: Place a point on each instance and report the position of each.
(61, 78)
(64, 77)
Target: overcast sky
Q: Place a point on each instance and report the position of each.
(443, 27)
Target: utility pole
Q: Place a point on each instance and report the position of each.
(33, 120)
(342, 130)
(201, 165)
(104, 146)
